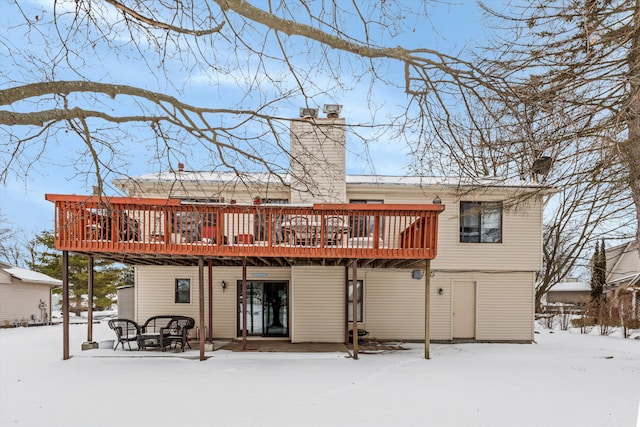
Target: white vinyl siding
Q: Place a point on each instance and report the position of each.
(441, 306)
(155, 291)
(19, 301)
(521, 247)
(319, 161)
(520, 250)
(393, 301)
(318, 304)
(394, 304)
(505, 307)
(626, 265)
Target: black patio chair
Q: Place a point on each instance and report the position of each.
(126, 330)
(178, 331)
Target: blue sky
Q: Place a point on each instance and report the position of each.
(450, 28)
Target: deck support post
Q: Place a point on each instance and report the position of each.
(346, 305)
(90, 301)
(354, 294)
(210, 274)
(90, 344)
(201, 304)
(427, 309)
(244, 304)
(65, 305)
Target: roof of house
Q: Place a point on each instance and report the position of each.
(629, 280)
(570, 287)
(263, 178)
(615, 255)
(29, 276)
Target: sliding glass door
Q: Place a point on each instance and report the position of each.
(267, 308)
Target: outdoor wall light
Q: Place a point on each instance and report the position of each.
(437, 200)
(440, 291)
(417, 274)
(224, 285)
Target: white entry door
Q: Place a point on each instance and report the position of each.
(464, 310)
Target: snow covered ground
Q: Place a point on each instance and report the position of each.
(565, 379)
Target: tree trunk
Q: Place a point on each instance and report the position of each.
(630, 149)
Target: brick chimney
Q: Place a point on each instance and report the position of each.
(318, 157)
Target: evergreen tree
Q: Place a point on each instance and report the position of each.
(602, 268)
(596, 276)
(598, 279)
(107, 275)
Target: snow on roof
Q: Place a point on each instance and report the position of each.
(433, 181)
(630, 279)
(31, 276)
(256, 178)
(570, 287)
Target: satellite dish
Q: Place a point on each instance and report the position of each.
(542, 165)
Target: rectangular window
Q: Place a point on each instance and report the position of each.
(481, 222)
(360, 313)
(183, 291)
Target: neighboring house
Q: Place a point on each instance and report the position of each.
(482, 280)
(623, 278)
(570, 292)
(25, 296)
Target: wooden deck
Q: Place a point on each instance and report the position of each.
(174, 232)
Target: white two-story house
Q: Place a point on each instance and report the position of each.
(489, 246)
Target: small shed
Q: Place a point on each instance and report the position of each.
(25, 296)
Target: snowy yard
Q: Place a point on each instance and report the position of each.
(565, 379)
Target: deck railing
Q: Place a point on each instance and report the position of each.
(175, 227)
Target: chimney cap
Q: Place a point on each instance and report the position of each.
(332, 110)
(308, 113)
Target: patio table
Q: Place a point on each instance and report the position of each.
(311, 231)
(150, 340)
